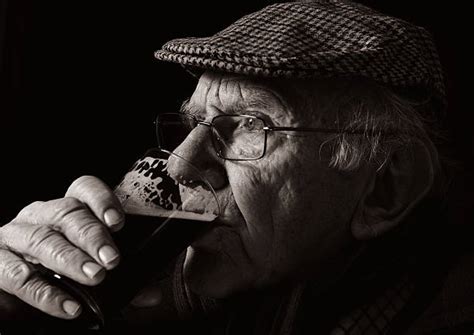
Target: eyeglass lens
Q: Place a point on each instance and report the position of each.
(237, 137)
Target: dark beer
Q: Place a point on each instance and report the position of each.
(162, 219)
(147, 245)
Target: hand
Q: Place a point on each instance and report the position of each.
(69, 236)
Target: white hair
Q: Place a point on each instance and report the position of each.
(374, 121)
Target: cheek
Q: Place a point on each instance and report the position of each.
(257, 189)
(257, 183)
(310, 209)
(314, 217)
(253, 187)
(252, 193)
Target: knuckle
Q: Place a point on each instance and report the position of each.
(89, 188)
(29, 211)
(80, 183)
(39, 238)
(3, 233)
(16, 273)
(67, 206)
(46, 243)
(44, 296)
(43, 293)
(91, 231)
(64, 255)
(67, 203)
(34, 205)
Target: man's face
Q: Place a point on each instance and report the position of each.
(284, 215)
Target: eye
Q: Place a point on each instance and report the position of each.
(251, 124)
(189, 121)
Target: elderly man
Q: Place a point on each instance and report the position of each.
(329, 180)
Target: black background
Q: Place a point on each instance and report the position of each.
(80, 87)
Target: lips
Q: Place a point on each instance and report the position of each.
(227, 223)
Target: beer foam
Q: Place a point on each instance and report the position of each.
(148, 189)
(148, 183)
(137, 209)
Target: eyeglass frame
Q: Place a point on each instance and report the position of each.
(265, 128)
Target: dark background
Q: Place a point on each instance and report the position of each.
(80, 87)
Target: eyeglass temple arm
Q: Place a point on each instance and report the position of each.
(316, 130)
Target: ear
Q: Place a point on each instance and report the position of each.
(395, 189)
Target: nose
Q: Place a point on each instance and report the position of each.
(199, 161)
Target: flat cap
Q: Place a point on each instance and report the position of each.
(322, 38)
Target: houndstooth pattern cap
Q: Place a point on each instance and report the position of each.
(322, 38)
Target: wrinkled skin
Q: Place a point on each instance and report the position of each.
(284, 215)
(70, 235)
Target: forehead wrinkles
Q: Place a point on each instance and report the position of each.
(295, 101)
(237, 93)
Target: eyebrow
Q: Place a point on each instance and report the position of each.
(187, 108)
(259, 100)
(267, 102)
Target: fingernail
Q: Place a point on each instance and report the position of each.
(71, 307)
(107, 254)
(112, 217)
(91, 269)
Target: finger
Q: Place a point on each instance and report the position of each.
(75, 221)
(17, 277)
(52, 250)
(13, 308)
(100, 199)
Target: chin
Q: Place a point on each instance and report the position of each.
(208, 274)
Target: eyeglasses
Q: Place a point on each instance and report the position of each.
(234, 137)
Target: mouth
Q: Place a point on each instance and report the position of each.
(223, 222)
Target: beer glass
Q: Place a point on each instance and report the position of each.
(163, 217)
